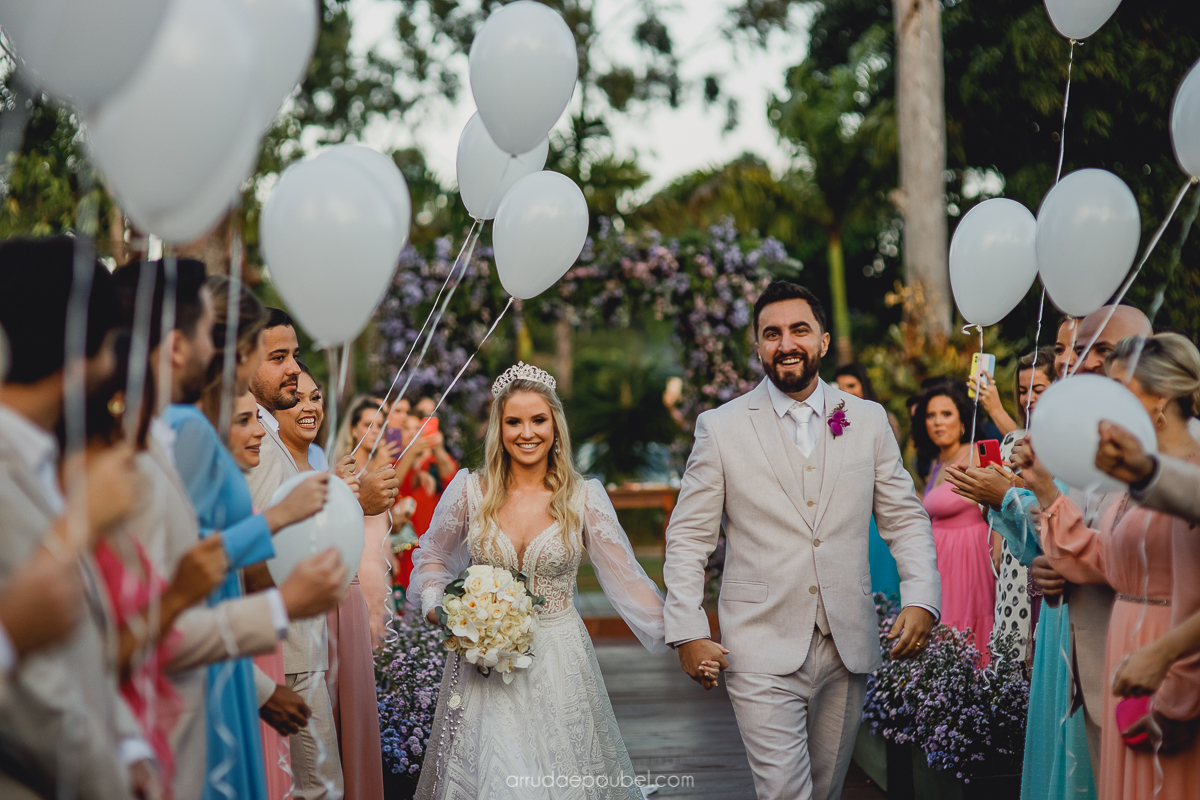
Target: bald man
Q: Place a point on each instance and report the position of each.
(1090, 605)
(1126, 321)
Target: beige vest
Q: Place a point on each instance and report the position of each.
(809, 471)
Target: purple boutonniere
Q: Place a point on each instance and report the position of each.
(837, 420)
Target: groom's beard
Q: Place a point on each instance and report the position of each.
(791, 383)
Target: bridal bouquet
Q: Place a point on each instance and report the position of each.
(487, 618)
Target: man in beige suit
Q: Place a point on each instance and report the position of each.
(166, 524)
(316, 764)
(794, 491)
(63, 728)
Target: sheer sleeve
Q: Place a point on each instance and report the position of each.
(1074, 550)
(631, 592)
(442, 551)
(1015, 523)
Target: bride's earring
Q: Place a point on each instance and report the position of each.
(1162, 416)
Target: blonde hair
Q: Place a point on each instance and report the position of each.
(562, 479)
(1169, 366)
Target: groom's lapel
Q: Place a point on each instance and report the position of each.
(835, 451)
(766, 425)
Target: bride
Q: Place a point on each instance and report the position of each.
(551, 733)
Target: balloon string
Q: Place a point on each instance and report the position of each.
(332, 416)
(232, 320)
(454, 382)
(1136, 270)
(1184, 230)
(435, 315)
(1037, 340)
(139, 346)
(468, 250)
(1062, 137)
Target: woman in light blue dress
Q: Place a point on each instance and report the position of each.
(1057, 763)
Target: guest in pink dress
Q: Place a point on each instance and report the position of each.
(1152, 560)
(960, 532)
(351, 676)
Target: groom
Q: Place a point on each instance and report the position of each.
(794, 483)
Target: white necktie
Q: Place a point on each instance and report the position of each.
(803, 414)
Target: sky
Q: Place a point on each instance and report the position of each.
(669, 143)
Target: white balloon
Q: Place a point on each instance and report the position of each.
(486, 173)
(993, 260)
(212, 201)
(1087, 237)
(81, 51)
(523, 66)
(330, 238)
(1079, 19)
(339, 524)
(286, 31)
(539, 231)
(387, 177)
(161, 137)
(1185, 122)
(1066, 428)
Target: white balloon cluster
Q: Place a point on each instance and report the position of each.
(175, 94)
(523, 67)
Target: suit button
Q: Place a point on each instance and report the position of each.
(812, 590)
(816, 542)
(811, 503)
(810, 468)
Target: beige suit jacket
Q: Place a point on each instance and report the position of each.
(62, 701)
(165, 523)
(740, 478)
(306, 648)
(1174, 489)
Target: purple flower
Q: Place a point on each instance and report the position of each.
(837, 420)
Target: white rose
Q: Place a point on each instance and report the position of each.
(453, 605)
(478, 585)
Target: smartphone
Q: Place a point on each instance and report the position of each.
(431, 426)
(983, 367)
(395, 436)
(989, 452)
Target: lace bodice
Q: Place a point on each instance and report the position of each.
(551, 561)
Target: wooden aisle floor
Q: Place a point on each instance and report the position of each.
(673, 728)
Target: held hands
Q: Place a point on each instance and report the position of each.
(285, 711)
(199, 572)
(1037, 479)
(1120, 455)
(703, 660)
(378, 491)
(1142, 672)
(913, 627)
(1165, 736)
(315, 585)
(986, 486)
(41, 601)
(1047, 578)
(305, 500)
(346, 470)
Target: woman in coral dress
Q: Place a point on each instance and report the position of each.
(960, 533)
(1152, 560)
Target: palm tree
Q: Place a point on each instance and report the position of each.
(842, 126)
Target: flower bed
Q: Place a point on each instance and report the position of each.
(408, 675)
(968, 721)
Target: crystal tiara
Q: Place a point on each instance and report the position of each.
(523, 372)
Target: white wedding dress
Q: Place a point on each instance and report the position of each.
(554, 723)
